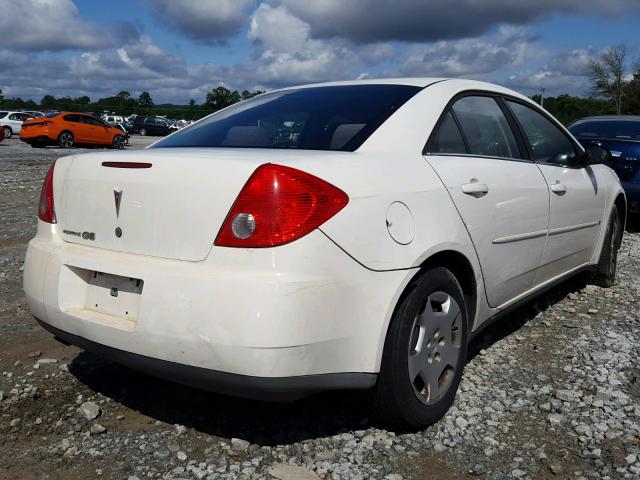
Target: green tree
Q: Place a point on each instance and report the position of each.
(221, 97)
(247, 94)
(145, 100)
(48, 102)
(632, 95)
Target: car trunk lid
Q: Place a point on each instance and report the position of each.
(166, 203)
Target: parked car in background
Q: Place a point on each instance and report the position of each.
(151, 126)
(112, 119)
(351, 235)
(124, 131)
(34, 113)
(621, 135)
(67, 129)
(11, 122)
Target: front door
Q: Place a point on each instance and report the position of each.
(502, 198)
(576, 202)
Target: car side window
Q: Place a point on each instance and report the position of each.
(548, 143)
(485, 127)
(71, 118)
(15, 116)
(93, 121)
(447, 138)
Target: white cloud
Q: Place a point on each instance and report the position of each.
(203, 20)
(37, 25)
(427, 20)
(472, 57)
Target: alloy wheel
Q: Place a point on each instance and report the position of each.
(66, 140)
(118, 142)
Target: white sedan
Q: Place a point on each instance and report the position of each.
(11, 122)
(350, 235)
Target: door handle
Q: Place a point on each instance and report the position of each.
(475, 189)
(559, 188)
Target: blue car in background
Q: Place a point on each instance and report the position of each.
(620, 134)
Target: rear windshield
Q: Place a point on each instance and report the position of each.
(52, 114)
(618, 129)
(3, 114)
(316, 118)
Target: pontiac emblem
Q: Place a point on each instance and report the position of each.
(117, 195)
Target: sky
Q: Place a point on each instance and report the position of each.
(181, 49)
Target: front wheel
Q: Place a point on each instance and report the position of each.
(605, 275)
(424, 353)
(143, 132)
(7, 132)
(118, 142)
(65, 140)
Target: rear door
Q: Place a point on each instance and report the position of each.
(501, 196)
(94, 129)
(577, 199)
(73, 122)
(14, 120)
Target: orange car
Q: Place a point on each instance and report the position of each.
(67, 129)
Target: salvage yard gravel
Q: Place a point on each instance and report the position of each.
(550, 391)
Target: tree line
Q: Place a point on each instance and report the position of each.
(614, 91)
(125, 104)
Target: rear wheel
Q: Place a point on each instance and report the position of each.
(65, 139)
(7, 132)
(118, 142)
(143, 132)
(424, 353)
(605, 275)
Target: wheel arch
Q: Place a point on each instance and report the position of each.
(460, 266)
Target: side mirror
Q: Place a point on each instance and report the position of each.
(595, 155)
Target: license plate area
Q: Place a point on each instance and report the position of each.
(114, 295)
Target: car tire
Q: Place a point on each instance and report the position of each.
(605, 275)
(7, 132)
(143, 132)
(118, 142)
(424, 352)
(65, 139)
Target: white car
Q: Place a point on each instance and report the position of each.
(11, 122)
(113, 119)
(350, 235)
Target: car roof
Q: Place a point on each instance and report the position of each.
(422, 82)
(630, 118)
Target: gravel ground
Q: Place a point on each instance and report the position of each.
(550, 391)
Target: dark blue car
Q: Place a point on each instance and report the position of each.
(621, 135)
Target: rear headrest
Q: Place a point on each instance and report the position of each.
(343, 133)
(247, 136)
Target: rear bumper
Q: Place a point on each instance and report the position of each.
(258, 388)
(43, 139)
(300, 310)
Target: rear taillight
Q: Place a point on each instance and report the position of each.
(46, 209)
(278, 205)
